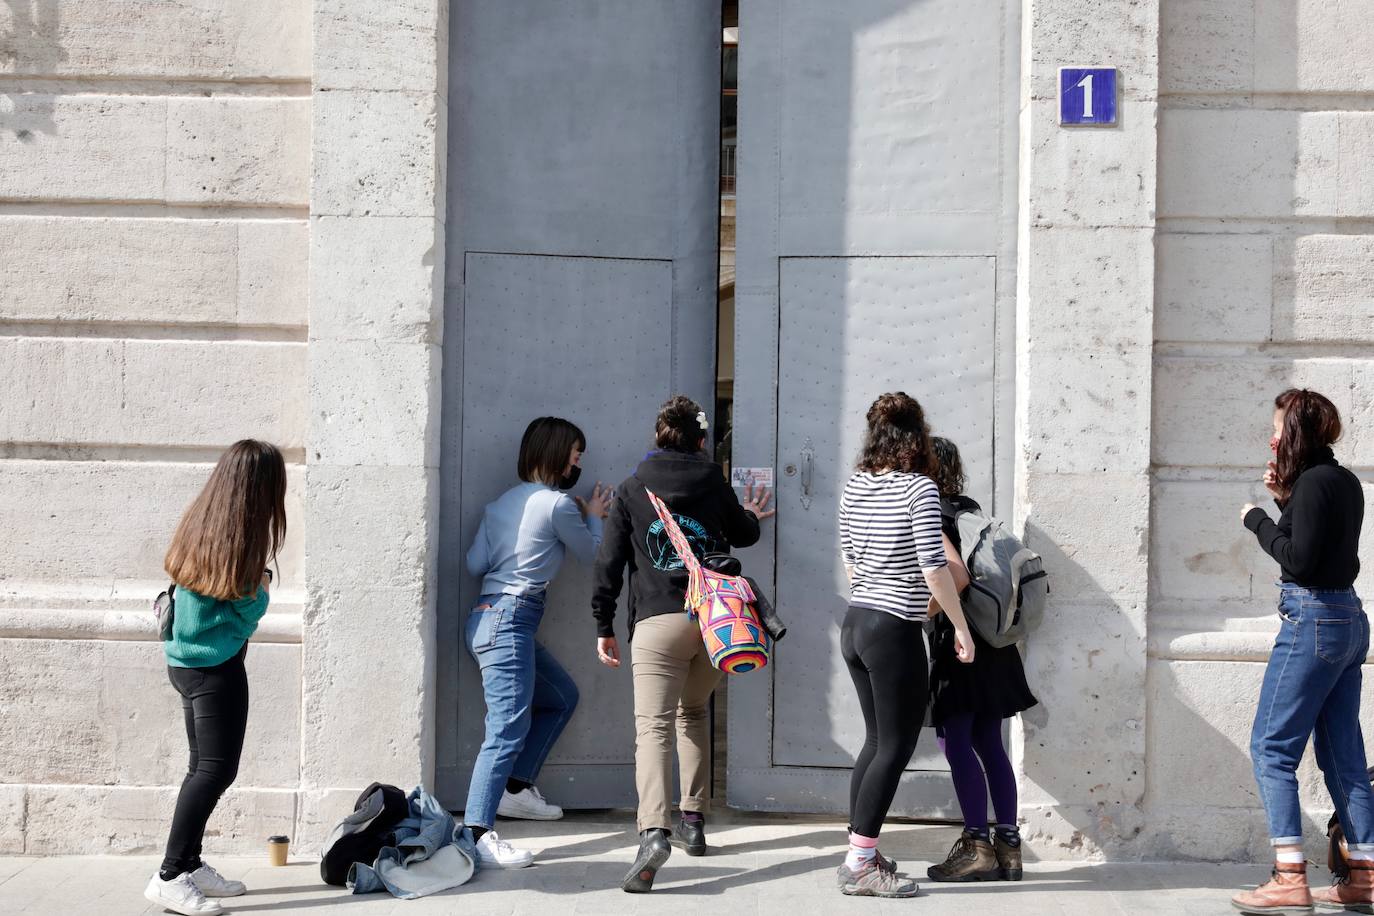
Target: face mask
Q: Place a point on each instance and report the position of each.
(570, 479)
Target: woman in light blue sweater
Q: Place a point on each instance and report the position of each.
(519, 548)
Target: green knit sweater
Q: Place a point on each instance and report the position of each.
(210, 631)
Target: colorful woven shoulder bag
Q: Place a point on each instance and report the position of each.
(723, 606)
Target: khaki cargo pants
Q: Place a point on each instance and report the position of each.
(673, 680)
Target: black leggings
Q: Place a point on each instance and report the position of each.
(215, 701)
(886, 656)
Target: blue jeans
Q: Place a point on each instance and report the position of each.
(530, 698)
(1312, 687)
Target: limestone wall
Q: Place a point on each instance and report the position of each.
(154, 187)
(1264, 280)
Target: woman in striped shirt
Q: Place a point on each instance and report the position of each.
(890, 537)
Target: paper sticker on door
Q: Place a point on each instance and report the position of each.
(759, 477)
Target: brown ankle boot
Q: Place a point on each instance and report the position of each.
(1353, 893)
(971, 859)
(1008, 858)
(1285, 892)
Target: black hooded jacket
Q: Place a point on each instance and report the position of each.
(707, 510)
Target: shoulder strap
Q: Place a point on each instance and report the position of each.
(679, 540)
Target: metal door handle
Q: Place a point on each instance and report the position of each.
(808, 468)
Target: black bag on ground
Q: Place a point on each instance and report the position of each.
(1337, 861)
(361, 835)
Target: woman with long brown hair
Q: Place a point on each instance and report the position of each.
(1311, 686)
(890, 539)
(218, 562)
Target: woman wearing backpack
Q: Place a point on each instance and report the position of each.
(1311, 686)
(218, 562)
(969, 704)
(890, 539)
(673, 676)
(519, 548)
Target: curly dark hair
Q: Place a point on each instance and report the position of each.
(949, 476)
(677, 428)
(897, 438)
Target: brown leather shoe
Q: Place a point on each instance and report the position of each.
(1008, 858)
(1353, 893)
(1286, 891)
(970, 859)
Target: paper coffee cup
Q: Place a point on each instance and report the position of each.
(277, 848)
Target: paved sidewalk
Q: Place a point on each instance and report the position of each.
(757, 865)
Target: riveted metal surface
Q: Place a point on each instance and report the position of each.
(535, 327)
(853, 328)
(876, 249)
(581, 236)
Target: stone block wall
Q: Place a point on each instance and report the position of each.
(1264, 280)
(154, 194)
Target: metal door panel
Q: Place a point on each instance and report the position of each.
(919, 325)
(581, 246)
(876, 213)
(559, 308)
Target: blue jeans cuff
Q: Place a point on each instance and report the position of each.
(1286, 841)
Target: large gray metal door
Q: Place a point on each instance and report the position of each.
(875, 252)
(582, 283)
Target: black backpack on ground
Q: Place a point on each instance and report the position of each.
(361, 835)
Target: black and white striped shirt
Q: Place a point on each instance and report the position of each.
(889, 531)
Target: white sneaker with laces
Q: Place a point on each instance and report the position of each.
(529, 805)
(494, 852)
(213, 884)
(180, 895)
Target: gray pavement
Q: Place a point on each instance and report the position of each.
(758, 864)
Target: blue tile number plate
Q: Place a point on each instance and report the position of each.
(1087, 96)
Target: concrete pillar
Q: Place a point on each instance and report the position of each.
(376, 325)
(1084, 352)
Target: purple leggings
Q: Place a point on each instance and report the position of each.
(969, 739)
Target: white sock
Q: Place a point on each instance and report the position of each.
(859, 856)
(1291, 858)
(1361, 855)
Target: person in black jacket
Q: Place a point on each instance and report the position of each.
(1312, 683)
(673, 677)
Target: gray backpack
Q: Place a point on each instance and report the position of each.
(1007, 583)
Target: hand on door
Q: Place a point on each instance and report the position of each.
(756, 501)
(599, 505)
(607, 651)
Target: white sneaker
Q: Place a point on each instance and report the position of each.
(494, 852)
(180, 895)
(529, 805)
(213, 884)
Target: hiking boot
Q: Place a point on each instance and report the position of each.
(1008, 856)
(691, 836)
(872, 881)
(653, 852)
(883, 862)
(1353, 893)
(971, 858)
(1286, 891)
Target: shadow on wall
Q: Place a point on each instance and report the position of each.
(29, 46)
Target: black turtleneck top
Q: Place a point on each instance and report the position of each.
(1317, 538)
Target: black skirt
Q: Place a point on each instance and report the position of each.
(993, 684)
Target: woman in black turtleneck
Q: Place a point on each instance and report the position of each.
(1311, 686)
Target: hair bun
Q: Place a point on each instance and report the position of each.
(679, 425)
